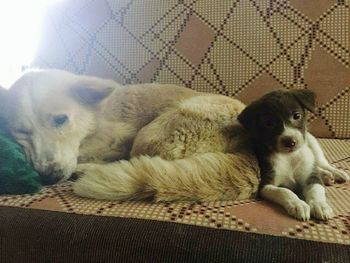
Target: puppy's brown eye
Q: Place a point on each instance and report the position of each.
(296, 116)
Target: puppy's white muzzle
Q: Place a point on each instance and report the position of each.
(290, 140)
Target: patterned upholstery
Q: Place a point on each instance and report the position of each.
(250, 216)
(240, 48)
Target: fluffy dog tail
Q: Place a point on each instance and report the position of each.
(204, 177)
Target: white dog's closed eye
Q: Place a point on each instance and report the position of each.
(59, 120)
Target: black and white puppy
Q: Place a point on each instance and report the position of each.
(290, 158)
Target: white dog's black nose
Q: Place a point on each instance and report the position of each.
(51, 176)
(49, 180)
(288, 142)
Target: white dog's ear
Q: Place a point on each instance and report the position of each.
(90, 95)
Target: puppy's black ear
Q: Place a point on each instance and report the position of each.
(90, 95)
(306, 98)
(248, 117)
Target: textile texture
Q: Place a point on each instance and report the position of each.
(249, 216)
(239, 48)
(44, 236)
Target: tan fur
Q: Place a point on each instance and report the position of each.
(184, 145)
(196, 125)
(122, 114)
(195, 158)
(205, 177)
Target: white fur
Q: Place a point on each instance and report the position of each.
(295, 168)
(322, 163)
(292, 168)
(289, 200)
(315, 196)
(94, 133)
(32, 102)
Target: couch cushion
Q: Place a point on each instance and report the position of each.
(250, 216)
(29, 235)
(241, 49)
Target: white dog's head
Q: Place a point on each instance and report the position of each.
(49, 112)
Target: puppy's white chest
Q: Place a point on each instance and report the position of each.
(292, 168)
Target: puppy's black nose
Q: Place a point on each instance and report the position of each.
(288, 142)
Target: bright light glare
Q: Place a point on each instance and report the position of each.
(20, 26)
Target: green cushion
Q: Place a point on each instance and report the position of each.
(16, 174)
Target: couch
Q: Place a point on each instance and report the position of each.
(240, 48)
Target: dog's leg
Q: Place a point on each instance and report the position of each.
(286, 198)
(321, 161)
(315, 195)
(325, 175)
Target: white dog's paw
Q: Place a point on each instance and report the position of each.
(298, 209)
(84, 169)
(321, 210)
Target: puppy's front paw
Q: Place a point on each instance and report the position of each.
(321, 210)
(330, 175)
(340, 176)
(326, 176)
(298, 209)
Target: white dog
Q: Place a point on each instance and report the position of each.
(62, 119)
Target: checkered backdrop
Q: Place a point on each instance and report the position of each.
(240, 48)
